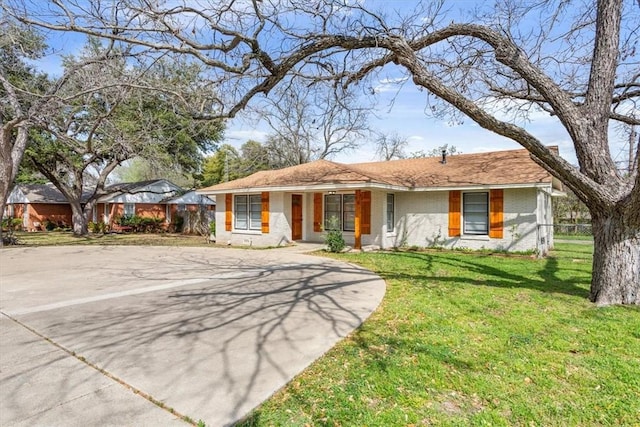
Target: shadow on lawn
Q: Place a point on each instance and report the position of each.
(544, 276)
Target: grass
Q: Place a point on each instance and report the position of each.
(468, 339)
(57, 238)
(574, 237)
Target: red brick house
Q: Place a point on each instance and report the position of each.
(39, 204)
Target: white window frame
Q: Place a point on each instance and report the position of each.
(349, 215)
(468, 213)
(391, 213)
(247, 210)
(346, 217)
(128, 207)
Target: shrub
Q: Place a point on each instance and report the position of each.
(16, 224)
(178, 224)
(97, 227)
(334, 238)
(12, 224)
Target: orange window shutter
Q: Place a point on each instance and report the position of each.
(365, 221)
(317, 212)
(496, 216)
(265, 211)
(228, 201)
(358, 220)
(454, 213)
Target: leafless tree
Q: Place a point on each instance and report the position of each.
(390, 146)
(436, 152)
(311, 122)
(575, 61)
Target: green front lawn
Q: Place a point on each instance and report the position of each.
(584, 237)
(469, 339)
(57, 238)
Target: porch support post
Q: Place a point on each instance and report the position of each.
(358, 227)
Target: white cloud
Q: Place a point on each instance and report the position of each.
(237, 137)
(515, 111)
(390, 85)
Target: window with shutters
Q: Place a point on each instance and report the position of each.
(475, 213)
(349, 212)
(332, 211)
(340, 211)
(248, 212)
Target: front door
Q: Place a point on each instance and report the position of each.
(296, 217)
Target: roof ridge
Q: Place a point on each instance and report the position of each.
(353, 167)
(554, 148)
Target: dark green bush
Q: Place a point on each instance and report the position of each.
(178, 224)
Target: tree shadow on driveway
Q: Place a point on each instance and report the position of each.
(215, 349)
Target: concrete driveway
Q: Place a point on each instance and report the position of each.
(146, 335)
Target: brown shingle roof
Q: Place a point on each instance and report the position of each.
(494, 168)
(314, 173)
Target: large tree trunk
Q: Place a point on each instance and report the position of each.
(13, 142)
(78, 218)
(616, 259)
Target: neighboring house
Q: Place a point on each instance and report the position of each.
(497, 200)
(190, 202)
(158, 198)
(38, 204)
(145, 199)
(161, 199)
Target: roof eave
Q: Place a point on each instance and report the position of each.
(368, 185)
(303, 188)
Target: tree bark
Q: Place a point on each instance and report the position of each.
(616, 259)
(78, 218)
(12, 147)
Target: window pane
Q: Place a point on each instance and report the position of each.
(129, 209)
(241, 212)
(349, 212)
(332, 211)
(476, 213)
(390, 212)
(255, 212)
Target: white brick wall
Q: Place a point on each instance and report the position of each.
(421, 220)
(545, 217)
(279, 226)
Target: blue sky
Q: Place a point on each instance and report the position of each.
(406, 117)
